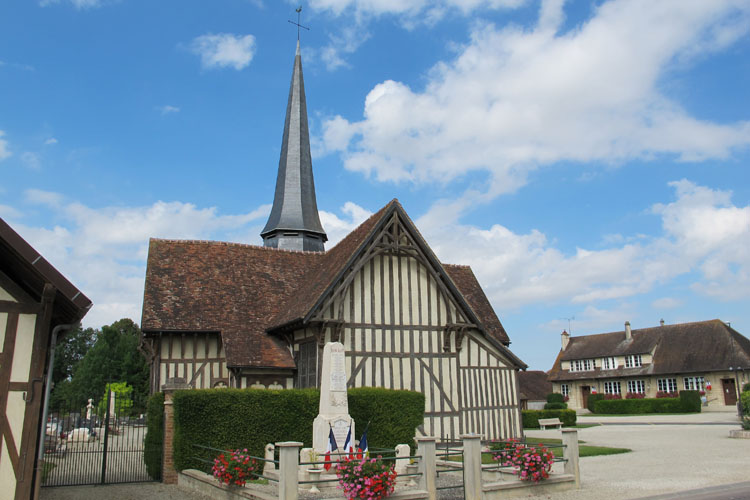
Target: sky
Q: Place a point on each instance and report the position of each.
(589, 160)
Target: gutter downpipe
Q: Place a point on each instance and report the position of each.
(48, 386)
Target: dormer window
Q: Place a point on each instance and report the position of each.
(633, 361)
(582, 365)
(609, 363)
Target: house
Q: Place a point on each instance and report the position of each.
(708, 356)
(37, 304)
(224, 314)
(533, 387)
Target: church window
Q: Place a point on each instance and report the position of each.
(307, 365)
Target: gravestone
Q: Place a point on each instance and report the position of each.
(333, 410)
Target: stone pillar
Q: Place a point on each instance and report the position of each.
(427, 465)
(288, 469)
(472, 466)
(570, 454)
(168, 472)
(402, 451)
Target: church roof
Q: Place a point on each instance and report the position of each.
(701, 346)
(246, 291)
(295, 208)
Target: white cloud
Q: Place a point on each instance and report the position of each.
(666, 303)
(336, 227)
(167, 109)
(4, 149)
(78, 4)
(40, 197)
(32, 160)
(8, 212)
(704, 236)
(409, 10)
(51, 141)
(340, 45)
(224, 50)
(515, 99)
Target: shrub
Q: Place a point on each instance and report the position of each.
(554, 397)
(640, 405)
(746, 387)
(153, 445)
(239, 418)
(746, 423)
(635, 395)
(691, 401)
(665, 394)
(745, 400)
(591, 403)
(531, 418)
(555, 406)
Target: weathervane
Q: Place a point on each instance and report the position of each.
(298, 10)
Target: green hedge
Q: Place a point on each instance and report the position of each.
(592, 400)
(252, 418)
(689, 401)
(555, 406)
(531, 417)
(745, 399)
(153, 445)
(554, 397)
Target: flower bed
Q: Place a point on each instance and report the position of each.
(367, 478)
(530, 463)
(235, 467)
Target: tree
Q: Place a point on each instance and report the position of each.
(123, 400)
(114, 357)
(70, 351)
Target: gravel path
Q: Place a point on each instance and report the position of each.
(670, 454)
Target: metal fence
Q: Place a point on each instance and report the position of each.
(81, 447)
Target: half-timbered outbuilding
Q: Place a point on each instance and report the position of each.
(36, 303)
(225, 314)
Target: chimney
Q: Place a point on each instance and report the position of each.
(661, 322)
(628, 333)
(565, 337)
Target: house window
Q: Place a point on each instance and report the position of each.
(564, 389)
(667, 384)
(693, 383)
(582, 365)
(636, 386)
(633, 361)
(612, 387)
(307, 365)
(609, 363)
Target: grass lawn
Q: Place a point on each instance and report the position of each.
(630, 414)
(585, 426)
(584, 450)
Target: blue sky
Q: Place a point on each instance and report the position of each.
(587, 159)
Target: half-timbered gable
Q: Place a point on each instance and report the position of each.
(36, 302)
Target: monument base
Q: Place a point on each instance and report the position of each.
(340, 425)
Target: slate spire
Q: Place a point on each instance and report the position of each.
(294, 223)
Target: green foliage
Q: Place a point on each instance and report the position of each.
(393, 415)
(531, 417)
(153, 445)
(251, 418)
(689, 401)
(113, 357)
(555, 406)
(554, 397)
(592, 400)
(746, 423)
(745, 400)
(746, 387)
(123, 399)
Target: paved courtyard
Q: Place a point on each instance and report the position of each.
(671, 453)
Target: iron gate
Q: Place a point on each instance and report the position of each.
(82, 448)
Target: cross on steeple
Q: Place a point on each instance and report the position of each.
(298, 10)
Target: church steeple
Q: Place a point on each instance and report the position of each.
(294, 223)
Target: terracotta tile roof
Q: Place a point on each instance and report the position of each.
(246, 291)
(703, 346)
(533, 385)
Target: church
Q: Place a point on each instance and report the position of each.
(222, 314)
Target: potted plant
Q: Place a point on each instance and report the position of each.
(530, 463)
(367, 478)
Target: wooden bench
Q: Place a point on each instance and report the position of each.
(545, 422)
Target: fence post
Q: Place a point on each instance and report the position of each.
(427, 465)
(168, 472)
(472, 466)
(288, 469)
(570, 454)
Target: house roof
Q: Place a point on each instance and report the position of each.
(702, 346)
(247, 291)
(533, 385)
(30, 271)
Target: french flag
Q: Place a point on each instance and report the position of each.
(348, 444)
(330, 449)
(362, 445)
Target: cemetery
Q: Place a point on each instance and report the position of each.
(250, 443)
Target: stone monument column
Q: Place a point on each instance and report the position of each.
(333, 410)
